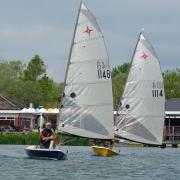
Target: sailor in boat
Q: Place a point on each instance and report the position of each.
(108, 143)
(47, 137)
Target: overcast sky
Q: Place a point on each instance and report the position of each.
(45, 27)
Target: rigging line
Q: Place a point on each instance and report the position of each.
(65, 142)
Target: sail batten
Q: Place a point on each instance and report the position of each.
(86, 40)
(87, 103)
(141, 114)
(88, 60)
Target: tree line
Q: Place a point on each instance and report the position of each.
(29, 83)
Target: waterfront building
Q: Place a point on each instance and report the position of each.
(14, 115)
(9, 112)
(172, 122)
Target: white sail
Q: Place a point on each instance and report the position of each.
(141, 114)
(87, 103)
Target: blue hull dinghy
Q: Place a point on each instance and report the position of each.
(54, 154)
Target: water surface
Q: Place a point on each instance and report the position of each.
(133, 163)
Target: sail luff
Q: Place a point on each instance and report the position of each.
(67, 65)
(131, 64)
(72, 43)
(69, 58)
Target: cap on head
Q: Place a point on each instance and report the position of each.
(48, 124)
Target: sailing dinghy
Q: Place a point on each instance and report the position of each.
(39, 153)
(35, 151)
(87, 104)
(141, 113)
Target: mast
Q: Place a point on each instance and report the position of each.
(72, 43)
(68, 62)
(130, 65)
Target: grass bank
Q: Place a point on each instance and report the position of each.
(31, 138)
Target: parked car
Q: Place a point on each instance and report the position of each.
(7, 129)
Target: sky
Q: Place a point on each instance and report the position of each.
(45, 27)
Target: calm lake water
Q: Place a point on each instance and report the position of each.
(133, 163)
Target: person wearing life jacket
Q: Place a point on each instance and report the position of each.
(47, 137)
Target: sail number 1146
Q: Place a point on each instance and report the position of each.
(103, 70)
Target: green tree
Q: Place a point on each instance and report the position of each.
(30, 85)
(26, 92)
(119, 76)
(35, 69)
(172, 83)
(9, 72)
(17, 68)
(124, 68)
(49, 91)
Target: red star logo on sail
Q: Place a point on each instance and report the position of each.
(88, 31)
(144, 56)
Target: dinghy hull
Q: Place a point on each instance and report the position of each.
(54, 154)
(104, 151)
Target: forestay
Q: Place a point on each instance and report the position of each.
(87, 106)
(141, 113)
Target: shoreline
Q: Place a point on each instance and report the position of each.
(32, 138)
